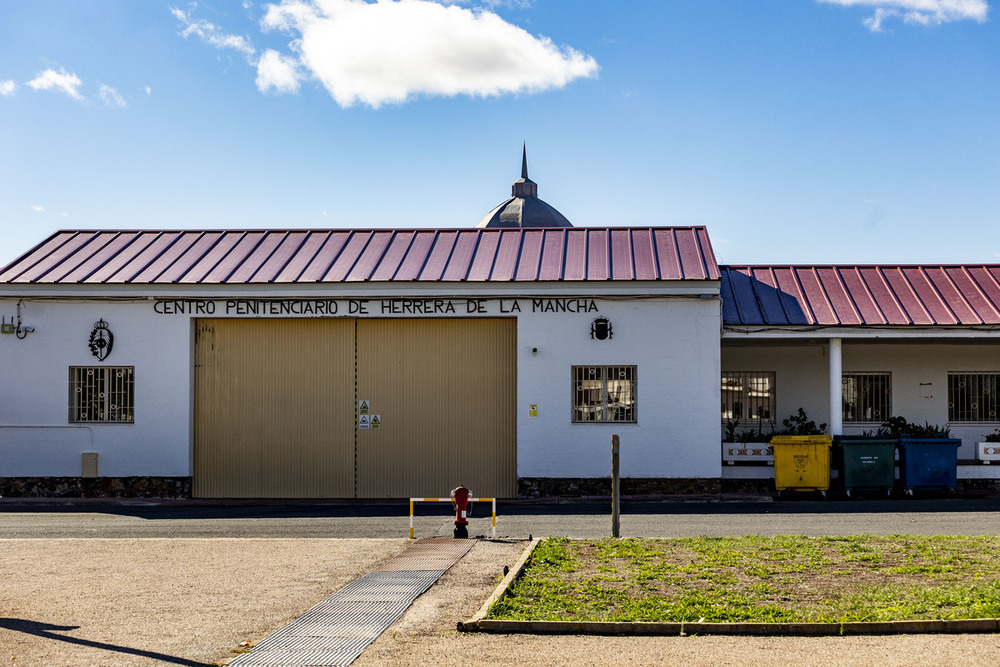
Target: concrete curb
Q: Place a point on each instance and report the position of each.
(479, 622)
(637, 628)
(501, 590)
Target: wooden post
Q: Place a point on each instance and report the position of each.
(615, 500)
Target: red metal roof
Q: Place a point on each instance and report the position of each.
(860, 295)
(383, 255)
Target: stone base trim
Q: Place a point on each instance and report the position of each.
(96, 487)
(578, 487)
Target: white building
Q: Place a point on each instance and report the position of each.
(395, 363)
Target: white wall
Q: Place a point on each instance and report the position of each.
(35, 392)
(919, 378)
(673, 342)
(675, 347)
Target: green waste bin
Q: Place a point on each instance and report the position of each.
(866, 463)
(801, 462)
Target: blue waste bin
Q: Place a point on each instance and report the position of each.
(928, 463)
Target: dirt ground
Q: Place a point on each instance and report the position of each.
(129, 602)
(141, 602)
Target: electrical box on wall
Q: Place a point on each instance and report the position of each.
(7, 327)
(89, 464)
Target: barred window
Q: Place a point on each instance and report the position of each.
(866, 397)
(748, 397)
(101, 394)
(972, 397)
(604, 393)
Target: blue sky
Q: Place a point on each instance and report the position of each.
(797, 131)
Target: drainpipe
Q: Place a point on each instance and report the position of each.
(836, 388)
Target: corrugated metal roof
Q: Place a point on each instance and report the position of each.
(860, 295)
(383, 255)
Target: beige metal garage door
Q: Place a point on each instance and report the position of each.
(276, 407)
(445, 392)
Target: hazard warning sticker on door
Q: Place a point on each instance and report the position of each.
(364, 422)
(363, 408)
(376, 421)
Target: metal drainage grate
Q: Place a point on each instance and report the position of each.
(336, 631)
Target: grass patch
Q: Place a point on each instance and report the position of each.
(758, 579)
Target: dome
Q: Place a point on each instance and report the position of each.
(524, 208)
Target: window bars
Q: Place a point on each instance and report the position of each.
(748, 397)
(866, 397)
(604, 394)
(101, 394)
(972, 397)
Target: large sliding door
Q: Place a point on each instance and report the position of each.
(277, 407)
(445, 392)
(274, 409)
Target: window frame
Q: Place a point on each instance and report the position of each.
(860, 377)
(981, 416)
(606, 406)
(102, 389)
(744, 377)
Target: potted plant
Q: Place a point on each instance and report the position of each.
(749, 445)
(988, 449)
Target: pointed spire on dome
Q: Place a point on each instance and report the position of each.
(524, 186)
(524, 209)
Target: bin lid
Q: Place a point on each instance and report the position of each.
(802, 440)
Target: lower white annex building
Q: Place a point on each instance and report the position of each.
(396, 363)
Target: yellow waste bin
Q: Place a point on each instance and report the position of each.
(801, 462)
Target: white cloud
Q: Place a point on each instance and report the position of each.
(211, 34)
(922, 12)
(387, 52)
(61, 81)
(37, 208)
(7, 87)
(111, 97)
(149, 91)
(277, 72)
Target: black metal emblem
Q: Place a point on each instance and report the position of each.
(101, 340)
(601, 329)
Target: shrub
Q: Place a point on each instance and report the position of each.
(800, 424)
(896, 427)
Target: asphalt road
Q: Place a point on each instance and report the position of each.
(670, 518)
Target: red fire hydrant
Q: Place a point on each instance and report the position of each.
(460, 498)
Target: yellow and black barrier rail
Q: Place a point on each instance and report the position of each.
(450, 500)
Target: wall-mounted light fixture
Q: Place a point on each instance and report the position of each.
(601, 329)
(20, 331)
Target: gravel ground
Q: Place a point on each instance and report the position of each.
(111, 602)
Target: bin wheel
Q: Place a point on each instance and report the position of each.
(848, 492)
(909, 492)
(822, 493)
